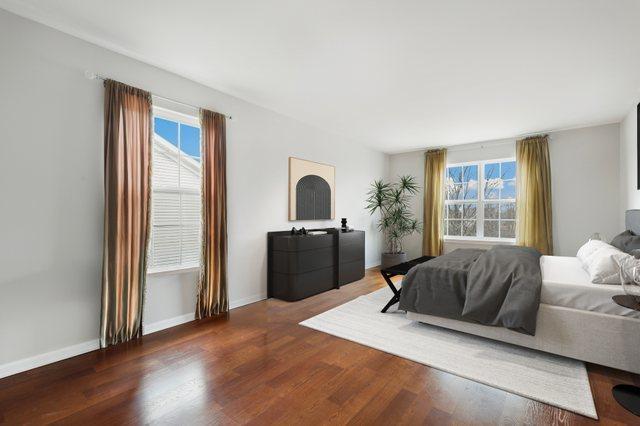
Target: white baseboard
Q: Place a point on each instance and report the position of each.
(36, 361)
(374, 264)
(181, 319)
(247, 300)
(167, 323)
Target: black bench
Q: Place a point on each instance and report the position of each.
(399, 269)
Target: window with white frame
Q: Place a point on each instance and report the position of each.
(480, 200)
(175, 197)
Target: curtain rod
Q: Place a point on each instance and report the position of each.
(94, 76)
(481, 145)
(487, 144)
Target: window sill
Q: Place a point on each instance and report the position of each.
(481, 240)
(173, 270)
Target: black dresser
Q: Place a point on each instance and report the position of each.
(300, 266)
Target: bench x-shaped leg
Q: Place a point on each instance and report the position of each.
(396, 291)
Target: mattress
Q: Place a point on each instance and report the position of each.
(565, 283)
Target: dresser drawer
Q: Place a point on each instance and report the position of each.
(287, 262)
(298, 243)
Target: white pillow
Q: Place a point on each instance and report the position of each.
(603, 265)
(588, 249)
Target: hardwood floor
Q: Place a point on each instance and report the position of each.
(259, 366)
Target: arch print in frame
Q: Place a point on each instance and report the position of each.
(311, 190)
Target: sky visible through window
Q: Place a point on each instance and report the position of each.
(189, 141)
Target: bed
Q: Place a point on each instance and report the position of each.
(575, 318)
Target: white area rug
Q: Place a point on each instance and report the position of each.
(554, 380)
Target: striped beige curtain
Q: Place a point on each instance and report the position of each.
(434, 169)
(213, 297)
(127, 163)
(533, 198)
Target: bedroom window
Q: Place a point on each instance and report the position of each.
(480, 200)
(175, 198)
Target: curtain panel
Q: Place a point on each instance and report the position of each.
(533, 197)
(213, 297)
(434, 182)
(127, 171)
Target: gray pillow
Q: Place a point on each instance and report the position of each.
(626, 241)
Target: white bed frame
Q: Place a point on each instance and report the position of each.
(610, 340)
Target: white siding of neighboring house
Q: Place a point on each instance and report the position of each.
(175, 239)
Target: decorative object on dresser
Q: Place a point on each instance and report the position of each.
(311, 190)
(392, 201)
(300, 265)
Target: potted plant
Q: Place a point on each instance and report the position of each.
(396, 219)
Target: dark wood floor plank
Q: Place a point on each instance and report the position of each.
(258, 366)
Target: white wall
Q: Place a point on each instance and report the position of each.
(584, 175)
(629, 193)
(51, 186)
(585, 186)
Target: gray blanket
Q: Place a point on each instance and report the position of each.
(499, 287)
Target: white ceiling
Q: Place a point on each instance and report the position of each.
(395, 75)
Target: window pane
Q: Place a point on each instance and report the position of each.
(190, 141)
(491, 211)
(455, 174)
(455, 227)
(507, 229)
(492, 189)
(454, 211)
(469, 211)
(491, 171)
(191, 244)
(189, 173)
(469, 228)
(471, 190)
(166, 245)
(191, 209)
(165, 165)
(508, 210)
(508, 170)
(166, 129)
(470, 173)
(491, 229)
(454, 191)
(509, 190)
(166, 208)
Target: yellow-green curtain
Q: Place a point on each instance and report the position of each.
(213, 297)
(127, 171)
(533, 198)
(434, 168)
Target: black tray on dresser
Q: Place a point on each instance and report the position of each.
(300, 266)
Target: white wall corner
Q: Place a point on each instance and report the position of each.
(376, 263)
